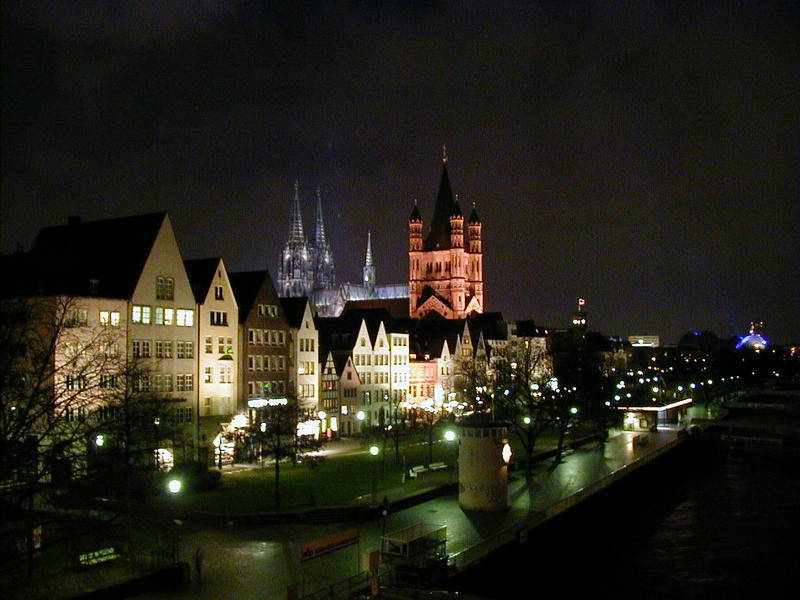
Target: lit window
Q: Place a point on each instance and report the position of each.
(109, 318)
(185, 317)
(165, 288)
(141, 314)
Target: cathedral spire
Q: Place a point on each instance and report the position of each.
(319, 229)
(296, 233)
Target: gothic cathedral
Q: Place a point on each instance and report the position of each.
(445, 270)
(305, 266)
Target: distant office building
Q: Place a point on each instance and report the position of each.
(644, 341)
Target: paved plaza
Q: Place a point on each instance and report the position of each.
(259, 562)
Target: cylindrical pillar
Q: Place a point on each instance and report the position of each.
(482, 467)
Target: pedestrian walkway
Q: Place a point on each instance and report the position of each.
(259, 562)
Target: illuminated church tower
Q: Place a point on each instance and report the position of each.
(305, 266)
(369, 267)
(322, 257)
(445, 270)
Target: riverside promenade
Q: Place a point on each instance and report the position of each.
(262, 561)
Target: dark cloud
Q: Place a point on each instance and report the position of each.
(641, 154)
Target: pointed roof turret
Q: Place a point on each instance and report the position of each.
(296, 233)
(473, 217)
(456, 212)
(415, 216)
(368, 262)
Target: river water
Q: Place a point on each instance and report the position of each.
(714, 519)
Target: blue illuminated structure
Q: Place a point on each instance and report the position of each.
(754, 339)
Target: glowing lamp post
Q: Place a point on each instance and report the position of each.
(450, 436)
(174, 486)
(360, 416)
(374, 451)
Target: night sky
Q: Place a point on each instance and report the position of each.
(642, 155)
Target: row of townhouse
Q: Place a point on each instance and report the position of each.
(201, 338)
(214, 341)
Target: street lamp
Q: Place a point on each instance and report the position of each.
(450, 436)
(374, 450)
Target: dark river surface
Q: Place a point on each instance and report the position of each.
(714, 519)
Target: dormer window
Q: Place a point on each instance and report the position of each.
(165, 288)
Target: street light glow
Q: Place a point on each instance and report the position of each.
(374, 450)
(174, 486)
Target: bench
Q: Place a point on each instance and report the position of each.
(413, 472)
(437, 466)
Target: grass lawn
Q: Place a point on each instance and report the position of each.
(341, 480)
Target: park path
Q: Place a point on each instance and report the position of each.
(259, 562)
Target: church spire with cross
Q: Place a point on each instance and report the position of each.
(369, 266)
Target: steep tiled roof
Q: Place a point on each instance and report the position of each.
(294, 309)
(395, 307)
(98, 258)
(201, 273)
(246, 286)
(439, 235)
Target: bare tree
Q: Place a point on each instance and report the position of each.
(522, 373)
(274, 436)
(73, 404)
(473, 384)
(54, 374)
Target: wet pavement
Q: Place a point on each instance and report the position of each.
(259, 562)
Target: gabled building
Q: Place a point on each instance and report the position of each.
(124, 278)
(329, 394)
(372, 357)
(218, 342)
(303, 352)
(445, 269)
(264, 338)
(349, 388)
